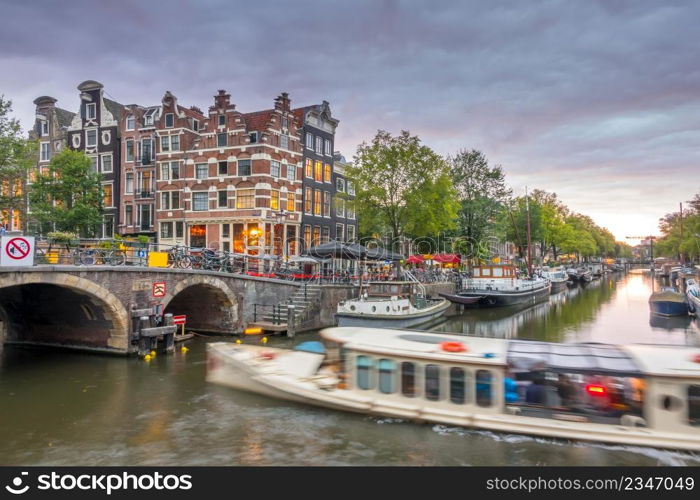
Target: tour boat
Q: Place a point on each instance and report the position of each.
(668, 302)
(499, 285)
(557, 276)
(390, 305)
(642, 395)
(692, 291)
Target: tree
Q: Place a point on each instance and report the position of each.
(402, 187)
(16, 157)
(481, 190)
(69, 194)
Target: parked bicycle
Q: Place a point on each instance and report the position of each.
(179, 258)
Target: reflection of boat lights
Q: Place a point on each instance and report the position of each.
(595, 390)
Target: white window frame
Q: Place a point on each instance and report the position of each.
(327, 147)
(131, 122)
(87, 138)
(126, 150)
(342, 231)
(275, 163)
(95, 164)
(291, 169)
(284, 141)
(194, 201)
(350, 188)
(340, 207)
(44, 128)
(110, 184)
(347, 233)
(165, 143)
(309, 141)
(126, 183)
(45, 148)
(319, 145)
(340, 184)
(94, 111)
(172, 120)
(173, 141)
(196, 170)
(102, 163)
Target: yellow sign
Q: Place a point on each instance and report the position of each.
(496, 260)
(158, 259)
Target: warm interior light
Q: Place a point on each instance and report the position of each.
(595, 390)
(252, 331)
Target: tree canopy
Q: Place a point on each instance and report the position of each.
(68, 195)
(402, 187)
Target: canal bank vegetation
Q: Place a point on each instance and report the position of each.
(461, 203)
(680, 233)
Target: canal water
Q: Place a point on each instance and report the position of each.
(67, 408)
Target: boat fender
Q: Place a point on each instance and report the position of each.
(267, 355)
(696, 358)
(633, 421)
(453, 346)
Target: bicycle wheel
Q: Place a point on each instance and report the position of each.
(87, 257)
(184, 262)
(116, 258)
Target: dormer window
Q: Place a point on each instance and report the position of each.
(130, 122)
(195, 125)
(222, 120)
(285, 122)
(169, 120)
(253, 137)
(91, 111)
(44, 128)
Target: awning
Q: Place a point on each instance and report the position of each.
(447, 258)
(415, 259)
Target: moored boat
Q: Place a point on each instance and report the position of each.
(460, 299)
(499, 285)
(390, 305)
(557, 276)
(668, 302)
(692, 292)
(581, 274)
(646, 395)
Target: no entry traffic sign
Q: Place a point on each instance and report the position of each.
(179, 320)
(16, 251)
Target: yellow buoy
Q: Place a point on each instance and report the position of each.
(238, 341)
(147, 357)
(264, 340)
(184, 349)
(153, 353)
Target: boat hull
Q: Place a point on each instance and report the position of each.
(460, 299)
(393, 321)
(491, 298)
(668, 308)
(558, 286)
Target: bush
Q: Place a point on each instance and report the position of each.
(61, 237)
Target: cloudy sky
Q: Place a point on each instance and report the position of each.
(598, 101)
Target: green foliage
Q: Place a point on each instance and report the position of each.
(402, 187)
(482, 192)
(16, 157)
(680, 236)
(69, 194)
(61, 236)
(143, 239)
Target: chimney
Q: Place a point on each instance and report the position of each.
(282, 102)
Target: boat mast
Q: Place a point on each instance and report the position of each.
(529, 245)
(681, 242)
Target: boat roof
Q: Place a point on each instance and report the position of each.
(418, 344)
(598, 358)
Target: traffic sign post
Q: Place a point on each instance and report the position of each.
(180, 320)
(16, 251)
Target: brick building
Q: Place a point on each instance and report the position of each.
(229, 179)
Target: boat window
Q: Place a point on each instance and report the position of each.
(408, 379)
(432, 382)
(498, 272)
(477, 272)
(483, 387)
(364, 366)
(694, 405)
(458, 386)
(374, 308)
(486, 272)
(386, 376)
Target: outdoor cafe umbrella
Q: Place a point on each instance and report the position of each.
(415, 259)
(378, 253)
(338, 250)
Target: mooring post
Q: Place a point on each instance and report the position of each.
(169, 338)
(144, 342)
(291, 321)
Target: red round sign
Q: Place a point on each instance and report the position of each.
(17, 248)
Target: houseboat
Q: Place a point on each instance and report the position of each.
(557, 276)
(581, 274)
(644, 395)
(499, 285)
(391, 305)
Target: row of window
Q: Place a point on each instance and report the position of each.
(389, 377)
(317, 202)
(145, 152)
(319, 145)
(240, 199)
(316, 235)
(144, 216)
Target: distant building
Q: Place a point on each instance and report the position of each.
(345, 218)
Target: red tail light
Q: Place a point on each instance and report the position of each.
(596, 390)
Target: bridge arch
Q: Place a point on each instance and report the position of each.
(208, 302)
(62, 309)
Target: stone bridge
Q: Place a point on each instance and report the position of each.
(98, 307)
